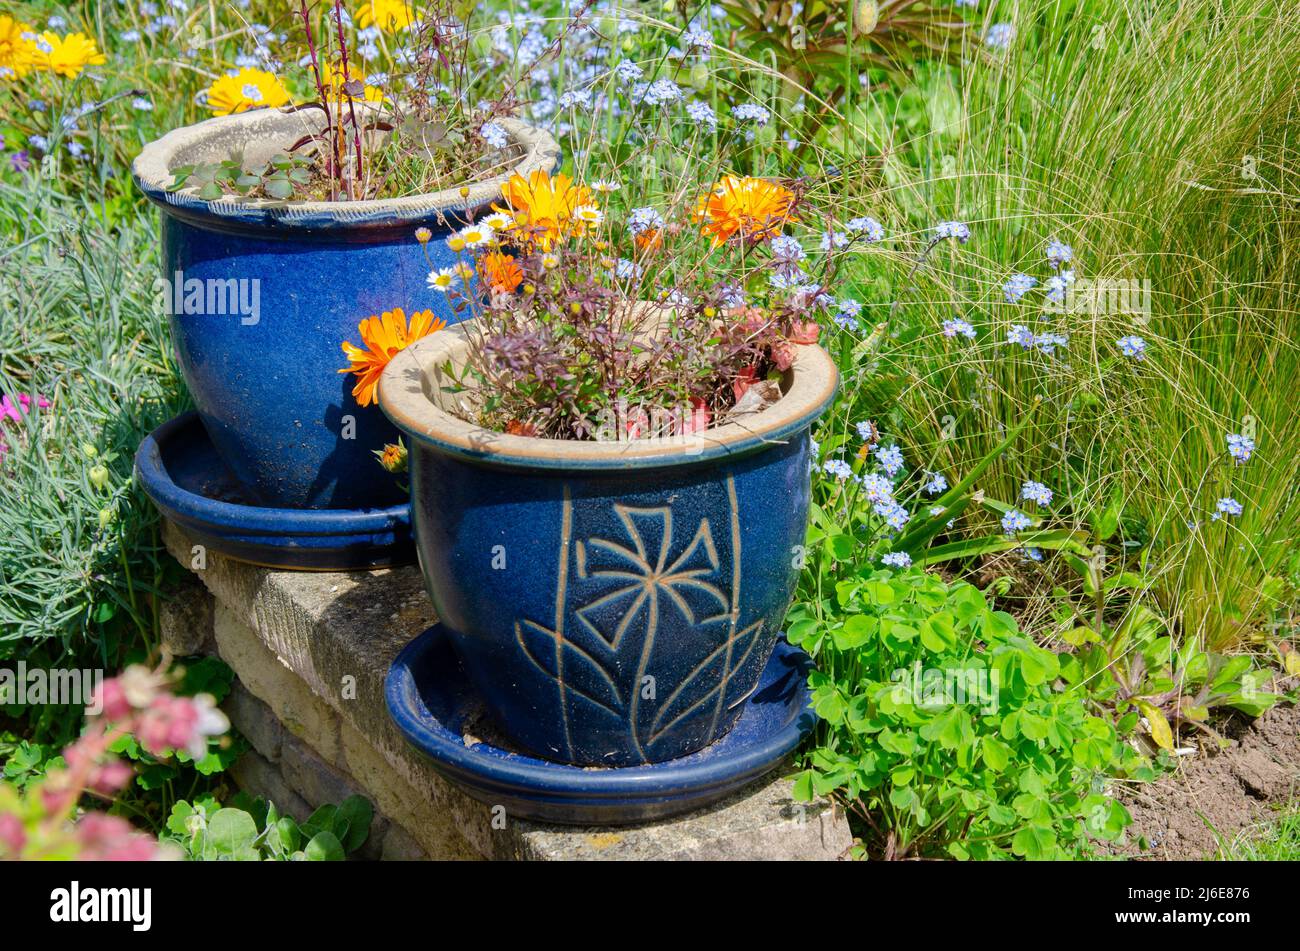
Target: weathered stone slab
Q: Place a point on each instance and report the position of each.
(315, 648)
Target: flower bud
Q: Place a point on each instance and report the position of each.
(865, 16)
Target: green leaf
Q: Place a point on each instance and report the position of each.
(280, 188)
(803, 791)
(842, 547)
(856, 631)
(210, 192)
(231, 831)
(290, 835)
(325, 847)
(996, 753)
(358, 813)
(1053, 540)
(1106, 523)
(1034, 842)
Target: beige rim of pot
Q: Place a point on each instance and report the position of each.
(413, 393)
(260, 134)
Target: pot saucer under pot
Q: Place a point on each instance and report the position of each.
(182, 473)
(432, 702)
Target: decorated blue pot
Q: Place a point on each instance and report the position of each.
(613, 602)
(261, 294)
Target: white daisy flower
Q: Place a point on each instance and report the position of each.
(443, 279)
(588, 215)
(476, 235)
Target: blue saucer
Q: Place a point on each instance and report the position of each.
(432, 703)
(183, 475)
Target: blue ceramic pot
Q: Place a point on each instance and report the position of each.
(613, 602)
(261, 294)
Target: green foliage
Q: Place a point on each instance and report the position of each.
(252, 830)
(945, 731)
(285, 175)
(1104, 125)
(1277, 839)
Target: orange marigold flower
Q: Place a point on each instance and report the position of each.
(384, 337)
(754, 208)
(501, 272)
(652, 239)
(543, 207)
(392, 457)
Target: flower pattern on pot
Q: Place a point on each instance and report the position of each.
(638, 598)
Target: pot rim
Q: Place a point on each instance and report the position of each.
(404, 397)
(152, 173)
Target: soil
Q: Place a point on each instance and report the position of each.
(1216, 794)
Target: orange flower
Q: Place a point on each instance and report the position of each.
(754, 208)
(651, 239)
(385, 337)
(392, 457)
(500, 272)
(543, 207)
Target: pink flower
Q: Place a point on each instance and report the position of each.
(110, 700)
(12, 835)
(105, 778)
(111, 777)
(133, 689)
(57, 793)
(167, 725)
(16, 411)
(180, 723)
(105, 838)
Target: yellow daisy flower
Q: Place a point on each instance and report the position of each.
(389, 15)
(543, 207)
(247, 89)
(67, 56)
(16, 54)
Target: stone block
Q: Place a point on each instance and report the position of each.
(185, 620)
(270, 680)
(255, 721)
(258, 777)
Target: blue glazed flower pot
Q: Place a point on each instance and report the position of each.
(261, 294)
(613, 602)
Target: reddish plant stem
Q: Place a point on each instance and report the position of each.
(352, 112)
(320, 87)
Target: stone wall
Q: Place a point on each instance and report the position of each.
(310, 652)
